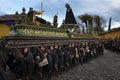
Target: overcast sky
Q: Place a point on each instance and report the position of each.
(104, 8)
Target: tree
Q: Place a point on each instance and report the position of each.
(100, 23)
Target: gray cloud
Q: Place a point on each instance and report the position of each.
(104, 8)
(2, 13)
(115, 14)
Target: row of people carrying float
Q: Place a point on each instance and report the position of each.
(53, 59)
(112, 44)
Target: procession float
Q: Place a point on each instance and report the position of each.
(30, 30)
(28, 24)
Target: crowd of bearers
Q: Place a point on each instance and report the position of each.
(49, 60)
(113, 44)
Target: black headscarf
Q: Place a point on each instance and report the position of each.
(4, 50)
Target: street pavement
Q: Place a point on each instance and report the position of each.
(105, 67)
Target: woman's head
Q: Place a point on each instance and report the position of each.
(51, 48)
(25, 50)
(4, 44)
(42, 48)
(56, 46)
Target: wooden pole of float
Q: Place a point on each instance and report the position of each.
(41, 8)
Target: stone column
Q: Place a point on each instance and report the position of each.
(90, 26)
(86, 24)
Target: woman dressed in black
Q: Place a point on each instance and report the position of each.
(54, 51)
(28, 63)
(38, 57)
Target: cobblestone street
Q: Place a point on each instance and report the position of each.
(106, 67)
